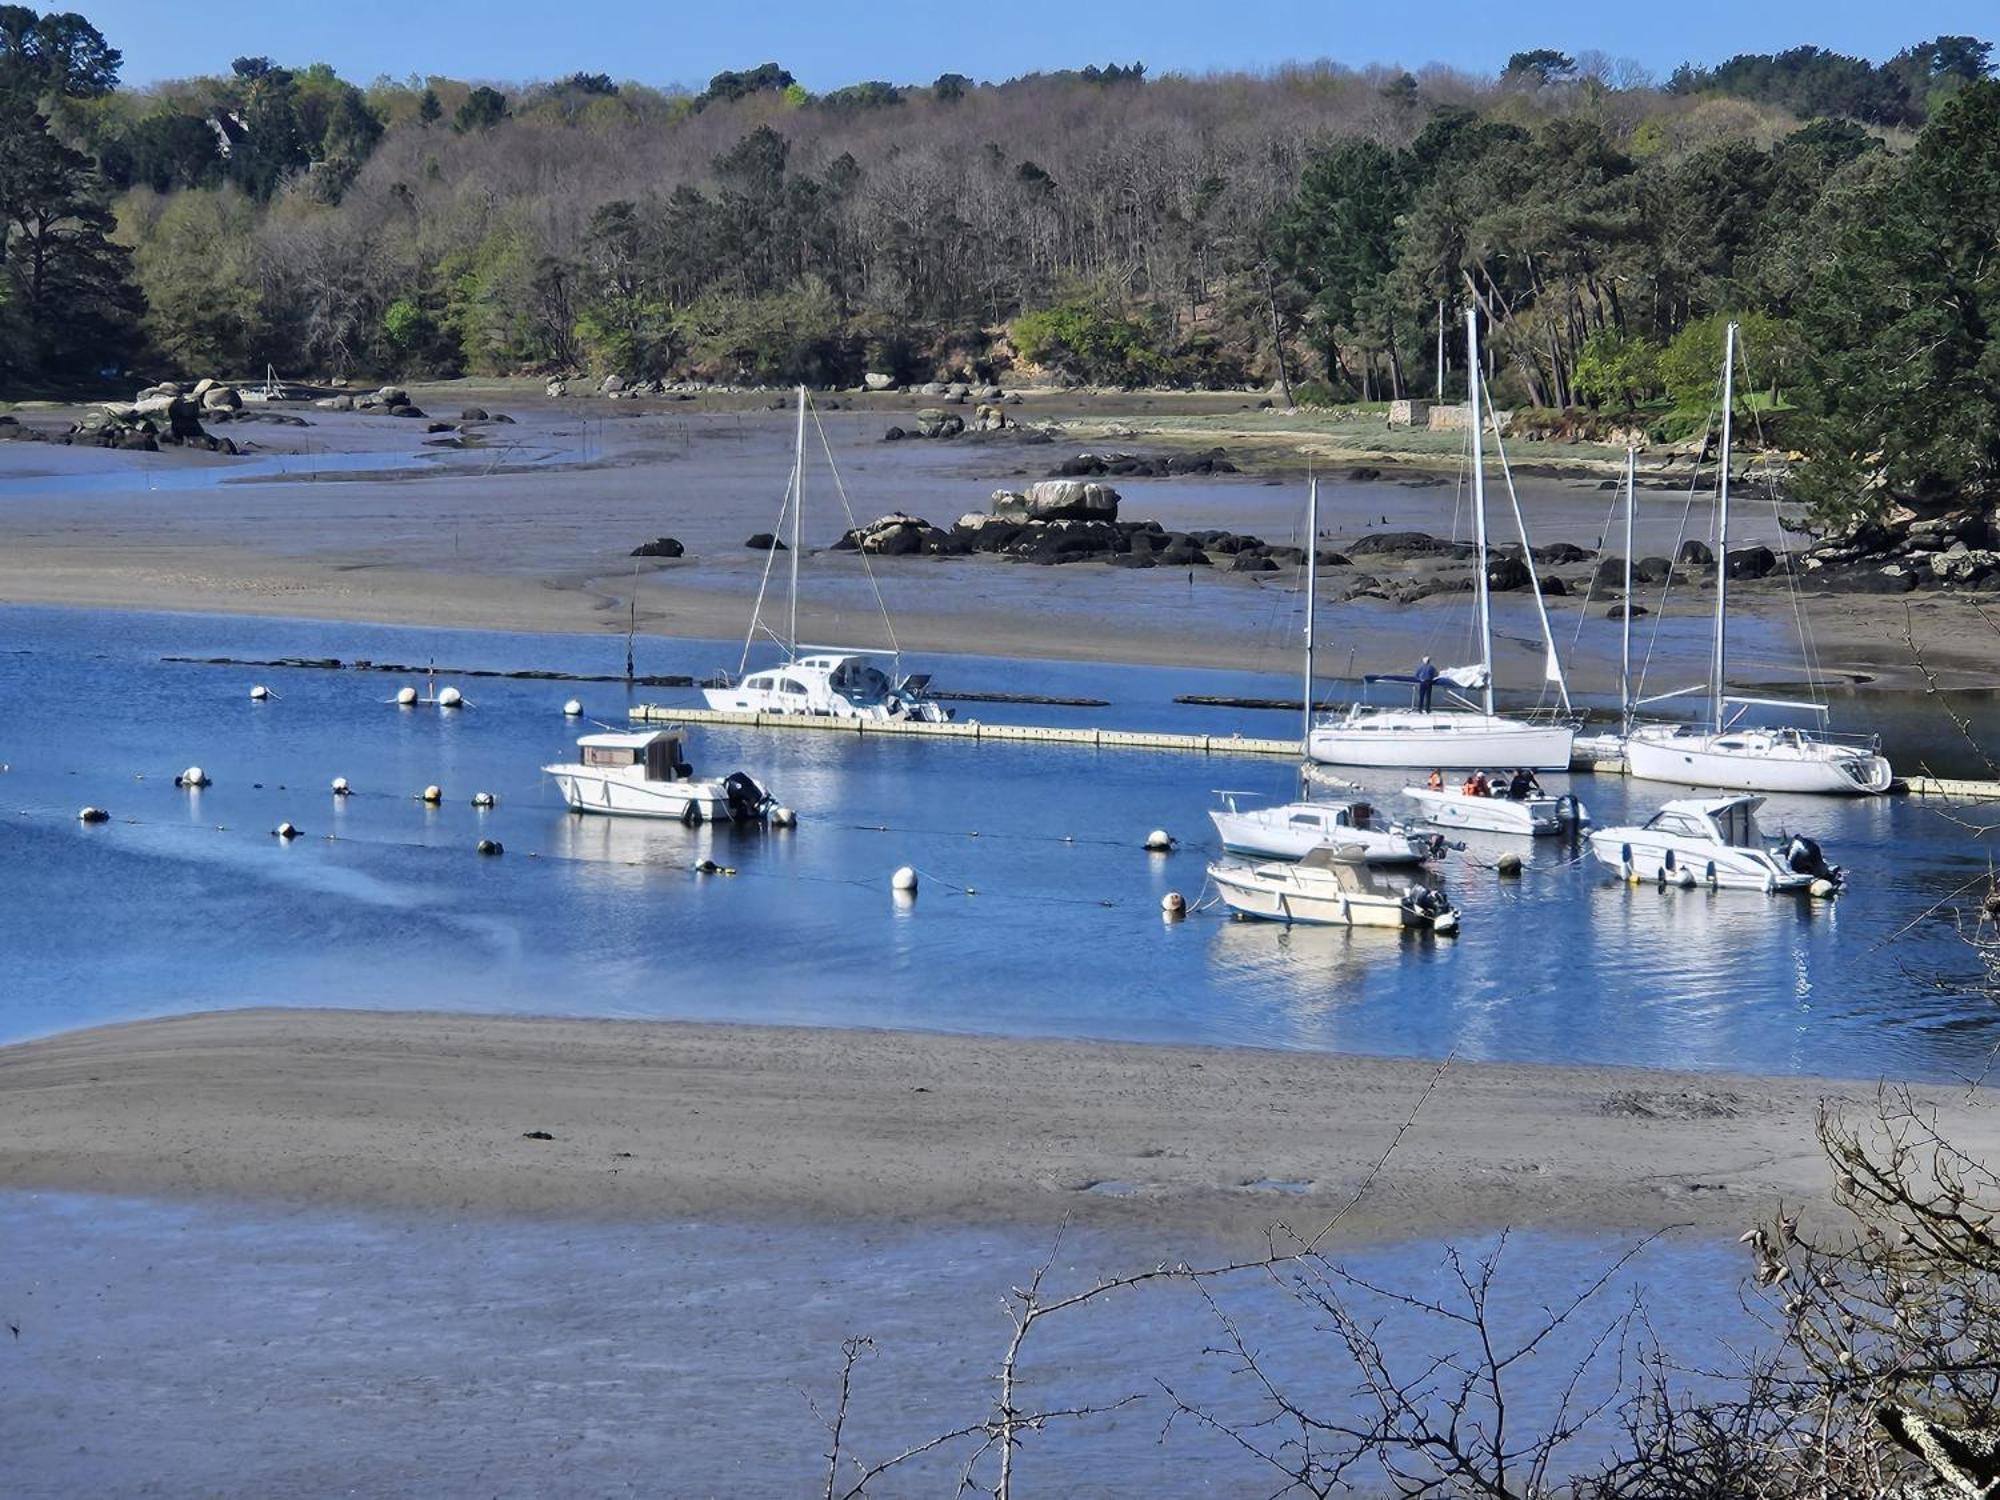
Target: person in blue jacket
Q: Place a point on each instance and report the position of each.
(1426, 676)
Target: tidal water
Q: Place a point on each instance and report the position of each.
(1039, 913)
(199, 1350)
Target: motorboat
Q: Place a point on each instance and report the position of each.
(1536, 815)
(829, 685)
(1713, 841)
(1292, 830)
(1726, 752)
(1326, 888)
(1467, 734)
(822, 681)
(643, 774)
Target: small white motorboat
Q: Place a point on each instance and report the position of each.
(1328, 889)
(1535, 815)
(1713, 841)
(1292, 830)
(643, 774)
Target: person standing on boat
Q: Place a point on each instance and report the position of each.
(1425, 677)
(1436, 781)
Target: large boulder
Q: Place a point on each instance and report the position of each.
(1695, 553)
(555, 388)
(1408, 544)
(220, 398)
(935, 422)
(874, 382)
(895, 535)
(989, 418)
(664, 546)
(1506, 573)
(392, 396)
(1058, 500)
(763, 541)
(1752, 562)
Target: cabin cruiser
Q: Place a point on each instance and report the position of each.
(1292, 830)
(644, 775)
(830, 685)
(1325, 888)
(1712, 841)
(1535, 815)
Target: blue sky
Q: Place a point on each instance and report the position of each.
(827, 43)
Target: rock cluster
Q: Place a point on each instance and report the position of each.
(1144, 466)
(1911, 547)
(164, 414)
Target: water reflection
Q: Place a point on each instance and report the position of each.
(186, 901)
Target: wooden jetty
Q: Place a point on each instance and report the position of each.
(972, 729)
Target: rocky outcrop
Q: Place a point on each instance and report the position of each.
(1058, 500)
(1941, 545)
(899, 535)
(1137, 465)
(1409, 544)
(160, 415)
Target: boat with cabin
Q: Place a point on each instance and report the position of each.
(1713, 841)
(1291, 830)
(644, 774)
(1467, 734)
(819, 681)
(1326, 888)
(1534, 814)
(1725, 751)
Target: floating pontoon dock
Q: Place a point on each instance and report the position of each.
(1948, 788)
(970, 729)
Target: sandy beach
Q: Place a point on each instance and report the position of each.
(750, 1123)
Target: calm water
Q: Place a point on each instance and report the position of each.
(179, 1350)
(187, 902)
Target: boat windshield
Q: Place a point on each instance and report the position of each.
(857, 679)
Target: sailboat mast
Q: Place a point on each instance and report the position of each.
(1479, 579)
(1312, 588)
(1625, 634)
(1717, 667)
(798, 504)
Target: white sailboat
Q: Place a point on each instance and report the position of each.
(1726, 753)
(822, 682)
(1467, 736)
(1292, 830)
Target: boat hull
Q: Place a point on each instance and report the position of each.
(1447, 741)
(1532, 817)
(1636, 856)
(1274, 893)
(1252, 837)
(1810, 766)
(590, 791)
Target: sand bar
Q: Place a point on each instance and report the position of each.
(433, 1111)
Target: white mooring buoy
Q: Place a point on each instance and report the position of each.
(194, 778)
(1173, 906)
(405, 697)
(904, 880)
(286, 831)
(572, 709)
(450, 698)
(1509, 866)
(340, 786)
(1159, 841)
(433, 794)
(93, 815)
(784, 817)
(483, 799)
(259, 693)
(1822, 888)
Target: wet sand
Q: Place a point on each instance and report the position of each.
(750, 1123)
(353, 519)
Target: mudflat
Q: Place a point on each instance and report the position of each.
(479, 1114)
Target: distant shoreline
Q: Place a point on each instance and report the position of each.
(649, 1119)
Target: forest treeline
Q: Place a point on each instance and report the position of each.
(1101, 225)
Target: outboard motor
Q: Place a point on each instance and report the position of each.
(748, 802)
(1804, 857)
